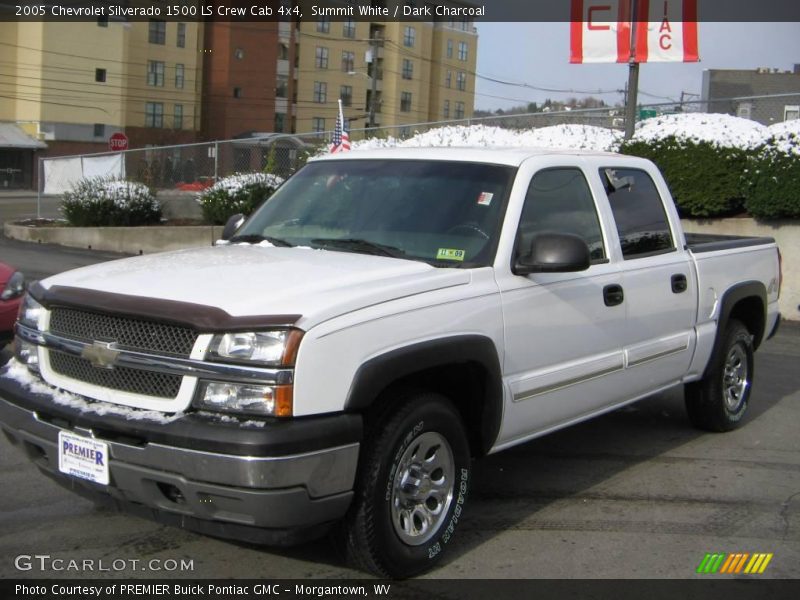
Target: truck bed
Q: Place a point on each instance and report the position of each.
(709, 242)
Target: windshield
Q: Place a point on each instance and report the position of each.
(444, 213)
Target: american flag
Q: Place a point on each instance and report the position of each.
(341, 139)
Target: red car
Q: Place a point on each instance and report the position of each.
(12, 286)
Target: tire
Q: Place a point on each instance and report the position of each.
(401, 521)
(719, 401)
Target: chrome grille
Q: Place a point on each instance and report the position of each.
(129, 333)
(123, 379)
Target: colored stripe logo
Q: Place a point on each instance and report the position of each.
(734, 564)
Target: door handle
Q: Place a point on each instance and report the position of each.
(679, 283)
(613, 295)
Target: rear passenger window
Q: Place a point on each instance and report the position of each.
(559, 201)
(638, 212)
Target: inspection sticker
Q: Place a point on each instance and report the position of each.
(450, 254)
(83, 457)
(485, 198)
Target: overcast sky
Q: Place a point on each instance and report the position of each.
(537, 54)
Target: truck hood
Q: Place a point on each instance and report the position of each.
(247, 280)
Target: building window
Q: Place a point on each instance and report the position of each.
(155, 73)
(282, 86)
(461, 81)
(446, 109)
(181, 35)
(99, 130)
(324, 25)
(320, 92)
(346, 94)
(100, 75)
(449, 48)
(237, 92)
(102, 21)
(280, 122)
(463, 50)
(153, 114)
(318, 124)
(349, 28)
(157, 32)
(405, 102)
(322, 58)
(238, 53)
(448, 79)
(179, 76)
(348, 61)
(177, 117)
(409, 37)
(408, 69)
(459, 110)
(283, 51)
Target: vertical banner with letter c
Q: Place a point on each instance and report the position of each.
(666, 31)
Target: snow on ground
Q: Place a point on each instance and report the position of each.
(786, 136)
(723, 131)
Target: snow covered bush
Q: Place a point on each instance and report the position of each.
(109, 202)
(239, 193)
(775, 174)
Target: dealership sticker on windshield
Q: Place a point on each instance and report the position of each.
(450, 254)
(83, 457)
(485, 198)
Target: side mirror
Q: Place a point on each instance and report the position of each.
(232, 225)
(554, 253)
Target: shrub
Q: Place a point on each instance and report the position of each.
(706, 180)
(240, 193)
(774, 184)
(109, 202)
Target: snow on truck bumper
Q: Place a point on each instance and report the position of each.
(277, 482)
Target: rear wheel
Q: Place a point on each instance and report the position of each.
(719, 401)
(412, 487)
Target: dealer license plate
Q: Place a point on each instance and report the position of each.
(83, 457)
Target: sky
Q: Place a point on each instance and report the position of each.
(537, 55)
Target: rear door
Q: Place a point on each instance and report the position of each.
(657, 278)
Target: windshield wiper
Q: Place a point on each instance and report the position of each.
(360, 245)
(254, 238)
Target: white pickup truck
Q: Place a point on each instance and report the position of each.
(382, 319)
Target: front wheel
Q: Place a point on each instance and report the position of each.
(412, 487)
(719, 401)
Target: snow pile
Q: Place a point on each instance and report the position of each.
(567, 137)
(722, 131)
(785, 137)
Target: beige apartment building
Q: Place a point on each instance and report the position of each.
(424, 71)
(72, 85)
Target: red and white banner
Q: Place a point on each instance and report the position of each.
(666, 31)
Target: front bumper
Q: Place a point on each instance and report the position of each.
(222, 477)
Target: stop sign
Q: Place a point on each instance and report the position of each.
(118, 142)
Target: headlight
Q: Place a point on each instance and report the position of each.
(268, 348)
(263, 400)
(15, 287)
(30, 311)
(27, 354)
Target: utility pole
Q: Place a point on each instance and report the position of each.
(633, 78)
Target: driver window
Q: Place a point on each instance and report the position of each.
(559, 201)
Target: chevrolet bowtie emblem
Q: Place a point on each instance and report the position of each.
(102, 355)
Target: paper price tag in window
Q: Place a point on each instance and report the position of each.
(485, 198)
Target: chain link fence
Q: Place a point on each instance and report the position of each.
(191, 168)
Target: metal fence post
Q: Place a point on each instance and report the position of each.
(39, 185)
(216, 161)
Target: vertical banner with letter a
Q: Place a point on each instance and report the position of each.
(665, 31)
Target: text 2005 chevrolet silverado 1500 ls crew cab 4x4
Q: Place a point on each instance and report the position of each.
(381, 319)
